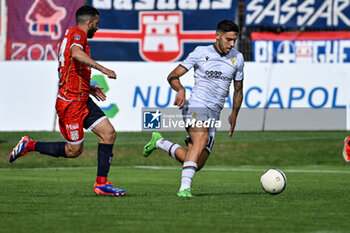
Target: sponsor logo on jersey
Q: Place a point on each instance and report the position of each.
(72, 126)
(217, 75)
(213, 73)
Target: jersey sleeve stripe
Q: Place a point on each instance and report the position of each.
(76, 45)
(183, 67)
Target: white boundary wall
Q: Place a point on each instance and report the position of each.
(3, 29)
(29, 89)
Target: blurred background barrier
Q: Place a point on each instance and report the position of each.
(29, 93)
(296, 54)
(279, 31)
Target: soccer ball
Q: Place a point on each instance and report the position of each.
(273, 181)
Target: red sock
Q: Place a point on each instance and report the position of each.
(31, 145)
(101, 179)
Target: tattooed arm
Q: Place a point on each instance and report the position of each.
(79, 55)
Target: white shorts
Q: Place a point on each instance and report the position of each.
(200, 112)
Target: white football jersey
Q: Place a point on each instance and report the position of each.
(213, 74)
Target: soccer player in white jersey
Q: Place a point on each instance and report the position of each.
(215, 68)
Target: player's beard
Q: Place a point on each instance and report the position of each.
(221, 46)
(223, 49)
(91, 32)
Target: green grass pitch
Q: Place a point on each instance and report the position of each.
(45, 194)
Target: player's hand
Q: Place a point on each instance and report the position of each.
(110, 73)
(96, 91)
(232, 122)
(180, 98)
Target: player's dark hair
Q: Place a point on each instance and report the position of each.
(227, 25)
(85, 13)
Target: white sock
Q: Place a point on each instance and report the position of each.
(188, 171)
(167, 146)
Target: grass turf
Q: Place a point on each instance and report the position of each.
(44, 194)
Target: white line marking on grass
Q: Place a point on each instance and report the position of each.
(236, 169)
(217, 169)
(317, 171)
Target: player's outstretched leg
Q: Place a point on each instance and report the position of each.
(346, 149)
(108, 189)
(21, 149)
(151, 145)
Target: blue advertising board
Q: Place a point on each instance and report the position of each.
(301, 47)
(298, 13)
(156, 30)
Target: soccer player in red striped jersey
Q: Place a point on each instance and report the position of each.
(75, 108)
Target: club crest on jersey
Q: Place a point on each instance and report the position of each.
(77, 37)
(160, 35)
(44, 19)
(74, 135)
(195, 115)
(233, 61)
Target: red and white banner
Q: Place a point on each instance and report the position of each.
(301, 47)
(35, 27)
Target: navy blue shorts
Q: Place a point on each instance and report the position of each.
(95, 116)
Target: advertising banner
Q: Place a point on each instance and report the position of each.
(278, 97)
(35, 27)
(29, 101)
(160, 31)
(301, 47)
(298, 13)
